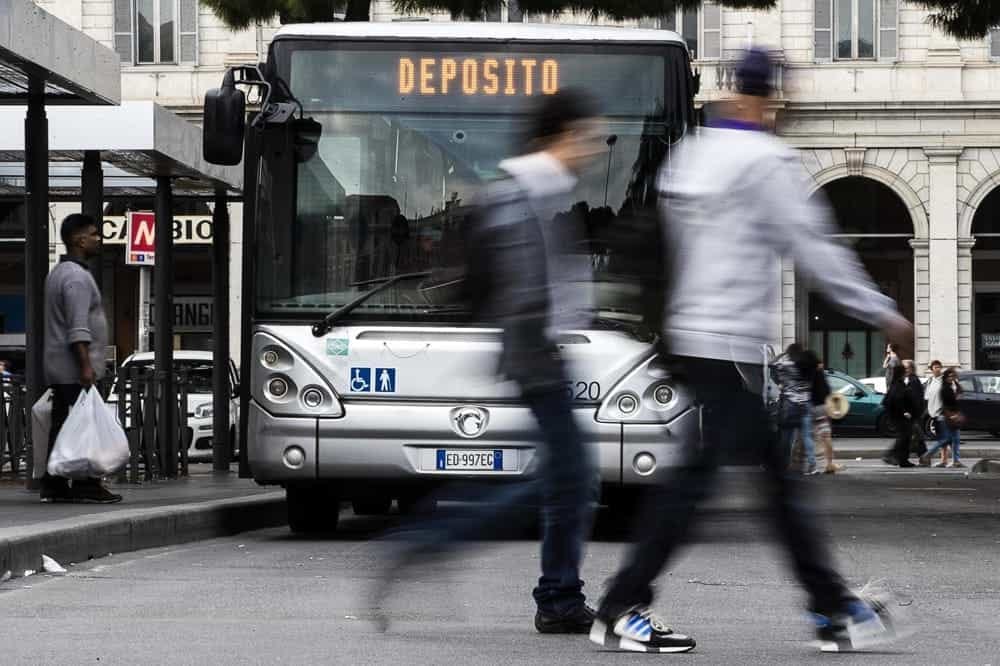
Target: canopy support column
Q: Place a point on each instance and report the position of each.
(92, 198)
(36, 260)
(163, 361)
(223, 394)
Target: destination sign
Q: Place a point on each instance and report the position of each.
(478, 76)
(411, 79)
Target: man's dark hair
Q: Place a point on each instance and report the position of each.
(73, 225)
(935, 362)
(555, 113)
(894, 348)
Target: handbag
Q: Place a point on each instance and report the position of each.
(955, 418)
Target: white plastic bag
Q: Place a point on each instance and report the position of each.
(91, 443)
(41, 424)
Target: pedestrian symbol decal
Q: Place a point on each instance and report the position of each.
(361, 380)
(385, 379)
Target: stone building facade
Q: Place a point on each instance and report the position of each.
(898, 124)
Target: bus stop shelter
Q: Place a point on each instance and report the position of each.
(44, 61)
(132, 149)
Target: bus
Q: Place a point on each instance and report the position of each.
(366, 380)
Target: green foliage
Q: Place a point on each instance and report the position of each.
(965, 19)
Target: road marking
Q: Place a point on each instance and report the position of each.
(946, 490)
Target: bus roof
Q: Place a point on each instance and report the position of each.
(476, 30)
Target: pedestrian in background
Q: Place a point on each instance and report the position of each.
(520, 275)
(916, 388)
(900, 405)
(734, 200)
(890, 362)
(822, 425)
(794, 372)
(949, 420)
(76, 337)
(4, 372)
(932, 391)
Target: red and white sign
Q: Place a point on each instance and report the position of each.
(141, 248)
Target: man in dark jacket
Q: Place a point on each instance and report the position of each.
(522, 271)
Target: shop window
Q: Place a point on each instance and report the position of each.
(156, 32)
(701, 29)
(856, 29)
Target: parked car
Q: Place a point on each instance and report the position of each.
(876, 384)
(866, 415)
(979, 401)
(199, 366)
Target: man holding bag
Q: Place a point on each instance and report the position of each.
(76, 334)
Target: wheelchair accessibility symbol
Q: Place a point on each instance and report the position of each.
(361, 380)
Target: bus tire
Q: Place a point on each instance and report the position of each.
(372, 506)
(312, 509)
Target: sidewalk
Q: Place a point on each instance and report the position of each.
(974, 445)
(155, 513)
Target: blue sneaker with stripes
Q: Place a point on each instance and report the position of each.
(638, 630)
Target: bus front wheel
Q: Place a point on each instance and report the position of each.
(312, 509)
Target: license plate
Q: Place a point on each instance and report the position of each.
(470, 460)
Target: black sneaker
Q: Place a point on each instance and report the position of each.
(54, 489)
(93, 493)
(638, 630)
(577, 621)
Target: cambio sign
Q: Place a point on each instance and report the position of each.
(188, 230)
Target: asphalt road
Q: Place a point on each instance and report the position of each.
(267, 597)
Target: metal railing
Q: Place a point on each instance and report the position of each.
(139, 403)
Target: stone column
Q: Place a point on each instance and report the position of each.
(943, 247)
(966, 343)
(921, 305)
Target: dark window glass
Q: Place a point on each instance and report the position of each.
(145, 24)
(166, 30)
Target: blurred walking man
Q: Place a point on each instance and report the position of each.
(520, 276)
(734, 201)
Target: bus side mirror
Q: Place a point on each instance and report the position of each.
(224, 123)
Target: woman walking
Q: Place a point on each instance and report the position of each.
(901, 407)
(949, 421)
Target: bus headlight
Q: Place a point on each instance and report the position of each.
(312, 397)
(288, 380)
(645, 395)
(277, 387)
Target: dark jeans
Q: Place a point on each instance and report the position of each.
(566, 487)
(733, 419)
(900, 451)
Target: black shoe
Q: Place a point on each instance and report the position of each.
(638, 630)
(577, 621)
(906, 463)
(54, 489)
(889, 460)
(93, 493)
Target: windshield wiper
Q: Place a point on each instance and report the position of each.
(323, 326)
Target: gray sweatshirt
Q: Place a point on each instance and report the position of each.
(73, 313)
(734, 202)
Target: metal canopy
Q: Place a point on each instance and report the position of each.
(76, 68)
(138, 141)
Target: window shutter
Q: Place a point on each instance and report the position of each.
(711, 21)
(669, 21)
(188, 31)
(888, 29)
(995, 43)
(123, 31)
(823, 30)
(689, 31)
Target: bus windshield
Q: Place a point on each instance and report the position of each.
(409, 134)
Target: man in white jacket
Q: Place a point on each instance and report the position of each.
(734, 201)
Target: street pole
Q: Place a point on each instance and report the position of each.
(221, 444)
(36, 236)
(163, 360)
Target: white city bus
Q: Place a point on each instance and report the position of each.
(365, 378)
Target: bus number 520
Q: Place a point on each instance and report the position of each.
(589, 391)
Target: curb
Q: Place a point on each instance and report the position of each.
(83, 538)
(875, 454)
